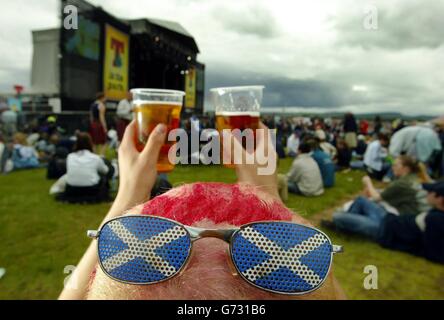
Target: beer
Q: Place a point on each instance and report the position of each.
(237, 120)
(148, 115)
(237, 108)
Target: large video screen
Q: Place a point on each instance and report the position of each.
(85, 41)
(81, 53)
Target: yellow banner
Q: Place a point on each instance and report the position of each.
(115, 71)
(190, 89)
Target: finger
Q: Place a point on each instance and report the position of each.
(264, 139)
(128, 138)
(261, 139)
(155, 142)
(232, 147)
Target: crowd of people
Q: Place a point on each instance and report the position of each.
(408, 214)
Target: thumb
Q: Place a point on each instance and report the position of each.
(233, 148)
(155, 143)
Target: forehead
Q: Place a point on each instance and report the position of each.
(232, 204)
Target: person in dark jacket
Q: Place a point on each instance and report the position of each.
(344, 155)
(350, 130)
(421, 235)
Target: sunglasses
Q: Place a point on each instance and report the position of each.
(276, 256)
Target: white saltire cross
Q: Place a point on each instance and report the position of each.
(143, 249)
(280, 257)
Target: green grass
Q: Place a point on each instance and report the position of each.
(40, 237)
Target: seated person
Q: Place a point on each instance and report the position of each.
(344, 155)
(304, 177)
(361, 148)
(324, 145)
(46, 146)
(421, 235)
(293, 144)
(57, 164)
(23, 156)
(208, 274)
(87, 174)
(403, 196)
(325, 164)
(374, 157)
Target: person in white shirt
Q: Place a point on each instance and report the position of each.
(293, 142)
(86, 173)
(304, 177)
(124, 115)
(325, 146)
(374, 157)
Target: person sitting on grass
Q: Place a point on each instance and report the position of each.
(325, 164)
(421, 235)
(209, 205)
(375, 155)
(403, 196)
(324, 145)
(344, 155)
(87, 174)
(304, 177)
(23, 155)
(293, 142)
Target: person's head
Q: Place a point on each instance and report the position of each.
(208, 274)
(384, 139)
(320, 134)
(100, 96)
(129, 96)
(83, 142)
(435, 194)
(405, 165)
(314, 143)
(305, 147)
(54, 139)
(20, 138)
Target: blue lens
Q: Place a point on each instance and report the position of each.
(282, 257)
(143, 249)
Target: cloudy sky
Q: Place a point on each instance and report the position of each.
(365, 56)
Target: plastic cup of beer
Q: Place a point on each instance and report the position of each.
(152, 107)
(237, 108)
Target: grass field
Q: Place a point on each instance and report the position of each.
(40, 237)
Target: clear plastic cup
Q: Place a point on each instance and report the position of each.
(237, 108)
(154, 106)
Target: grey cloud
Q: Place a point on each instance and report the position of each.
(329, 94)
(404, 25)
(252, 20)
(282, 91)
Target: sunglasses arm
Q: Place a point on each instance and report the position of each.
(337, 249)
(93, 234)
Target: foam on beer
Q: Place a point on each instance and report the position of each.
(147, 102)
(238, 113)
